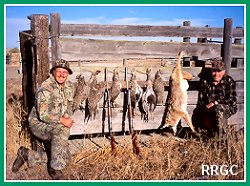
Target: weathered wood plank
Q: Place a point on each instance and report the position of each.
(240, 63)
(95, 126)
(89, 49)
(40, 31)
(27, 84)
(240, 96)
(186, 38)
(144, 30)
(55, 23)
(227, 43)
(236, 73)
(240, 85)
(141, 75)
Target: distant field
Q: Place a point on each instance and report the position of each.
(12, 72)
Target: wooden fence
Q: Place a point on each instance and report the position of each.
(86, 55)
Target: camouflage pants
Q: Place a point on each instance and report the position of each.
(60, 147)
(218, 119)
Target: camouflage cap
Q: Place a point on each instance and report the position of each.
(218, 65)
(62, 64)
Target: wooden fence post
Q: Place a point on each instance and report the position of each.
(237, 41)
(55, 24)
(186, 39)
(36, 63)
(27, 81)
(40, 32)
(203, 39)
(186, 60)
(227, 43)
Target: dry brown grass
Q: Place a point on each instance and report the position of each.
(13, 115)
(163, 157)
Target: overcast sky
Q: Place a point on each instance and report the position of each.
(16, 16)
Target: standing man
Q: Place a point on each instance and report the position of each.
(50, 120)
(217, 100)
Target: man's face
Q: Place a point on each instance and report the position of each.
(218, 75)
(60, 75)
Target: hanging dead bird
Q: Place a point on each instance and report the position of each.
(158, 87)
(115, 89)
(93, 78)
(148, 99)
(135, 93)
(83, 90)
(95, 95)
(81, 94)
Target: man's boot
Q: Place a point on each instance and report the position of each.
(22, 157)
(55, 174)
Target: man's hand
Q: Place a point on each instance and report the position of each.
(66, 121)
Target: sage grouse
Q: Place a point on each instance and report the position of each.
(93, 78)
(148, 98)
(135, 92)
(81, 94)
(83, 90)
(177, 98)
(95, 95)
(115, 89)
(158, 87)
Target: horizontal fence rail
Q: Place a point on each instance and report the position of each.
(90, 49)
(144, 30)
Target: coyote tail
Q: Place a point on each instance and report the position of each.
(179, 57)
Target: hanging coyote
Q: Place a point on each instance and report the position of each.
(177, 98)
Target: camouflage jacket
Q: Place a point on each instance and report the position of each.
(52, 102)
